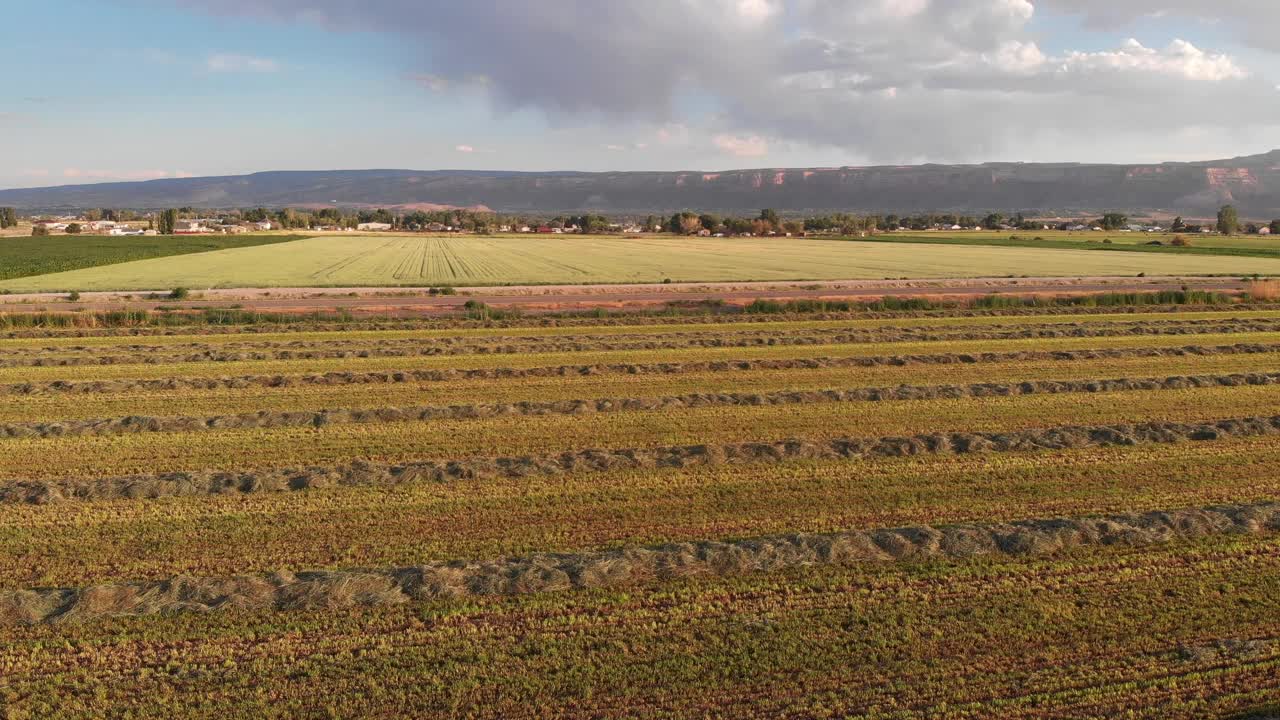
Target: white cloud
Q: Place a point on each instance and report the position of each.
(230, 62)
(1016, 56)
(1180, 58)
(741, 146)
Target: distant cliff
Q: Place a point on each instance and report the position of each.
(1195, 188)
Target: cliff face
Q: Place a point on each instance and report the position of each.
(1252, 183)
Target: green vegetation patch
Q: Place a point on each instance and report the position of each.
(27, 256)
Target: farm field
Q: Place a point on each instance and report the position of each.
(390, 260)
(1197, 243)
(28, 256)
(1012, 514)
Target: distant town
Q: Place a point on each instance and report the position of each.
(768, 223)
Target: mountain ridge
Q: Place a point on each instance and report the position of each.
(1198, 187)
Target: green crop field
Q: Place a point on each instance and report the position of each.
(28, 256)
(1042, 513)
(472, 260)
(1207, 243)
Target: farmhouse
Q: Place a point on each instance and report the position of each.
(373, 226)
(191, 227)
(1264, 231)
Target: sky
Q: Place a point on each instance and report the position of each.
(109, 90)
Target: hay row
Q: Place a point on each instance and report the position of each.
(725, 334)
(363, 473)
(556, 572)
(320, 418)
(304, 325)
(425, 349)
(414, 376)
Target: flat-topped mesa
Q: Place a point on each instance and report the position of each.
(1195, 188)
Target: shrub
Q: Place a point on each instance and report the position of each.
(179, 293)
(1267, 290)
(74, 296)
(1180, 241)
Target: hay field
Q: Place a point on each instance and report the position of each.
(388, 260)
(942, 515)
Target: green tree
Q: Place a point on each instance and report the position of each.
(8, 218)
(1228, 220)
(167, 221)
(993, 221)
(39, 231)
(74, 229)
(1275, 227)
(1113, 221)
(1178, 225)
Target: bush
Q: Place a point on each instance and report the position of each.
(74, 296)
(179, 293)
(74, 229)
(1263, 290)
(1180, 241)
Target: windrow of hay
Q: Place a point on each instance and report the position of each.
(716, 336)
(194, 483)
(552, 572)
(321, 418)
(448, 375)
(154, 356)
(223, 321)
(142, 323)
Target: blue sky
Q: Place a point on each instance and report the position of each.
(104, 90)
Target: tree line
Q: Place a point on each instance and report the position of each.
(766, 222)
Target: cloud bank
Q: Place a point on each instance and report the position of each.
(888, 80)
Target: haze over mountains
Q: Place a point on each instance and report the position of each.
(1196, 188)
